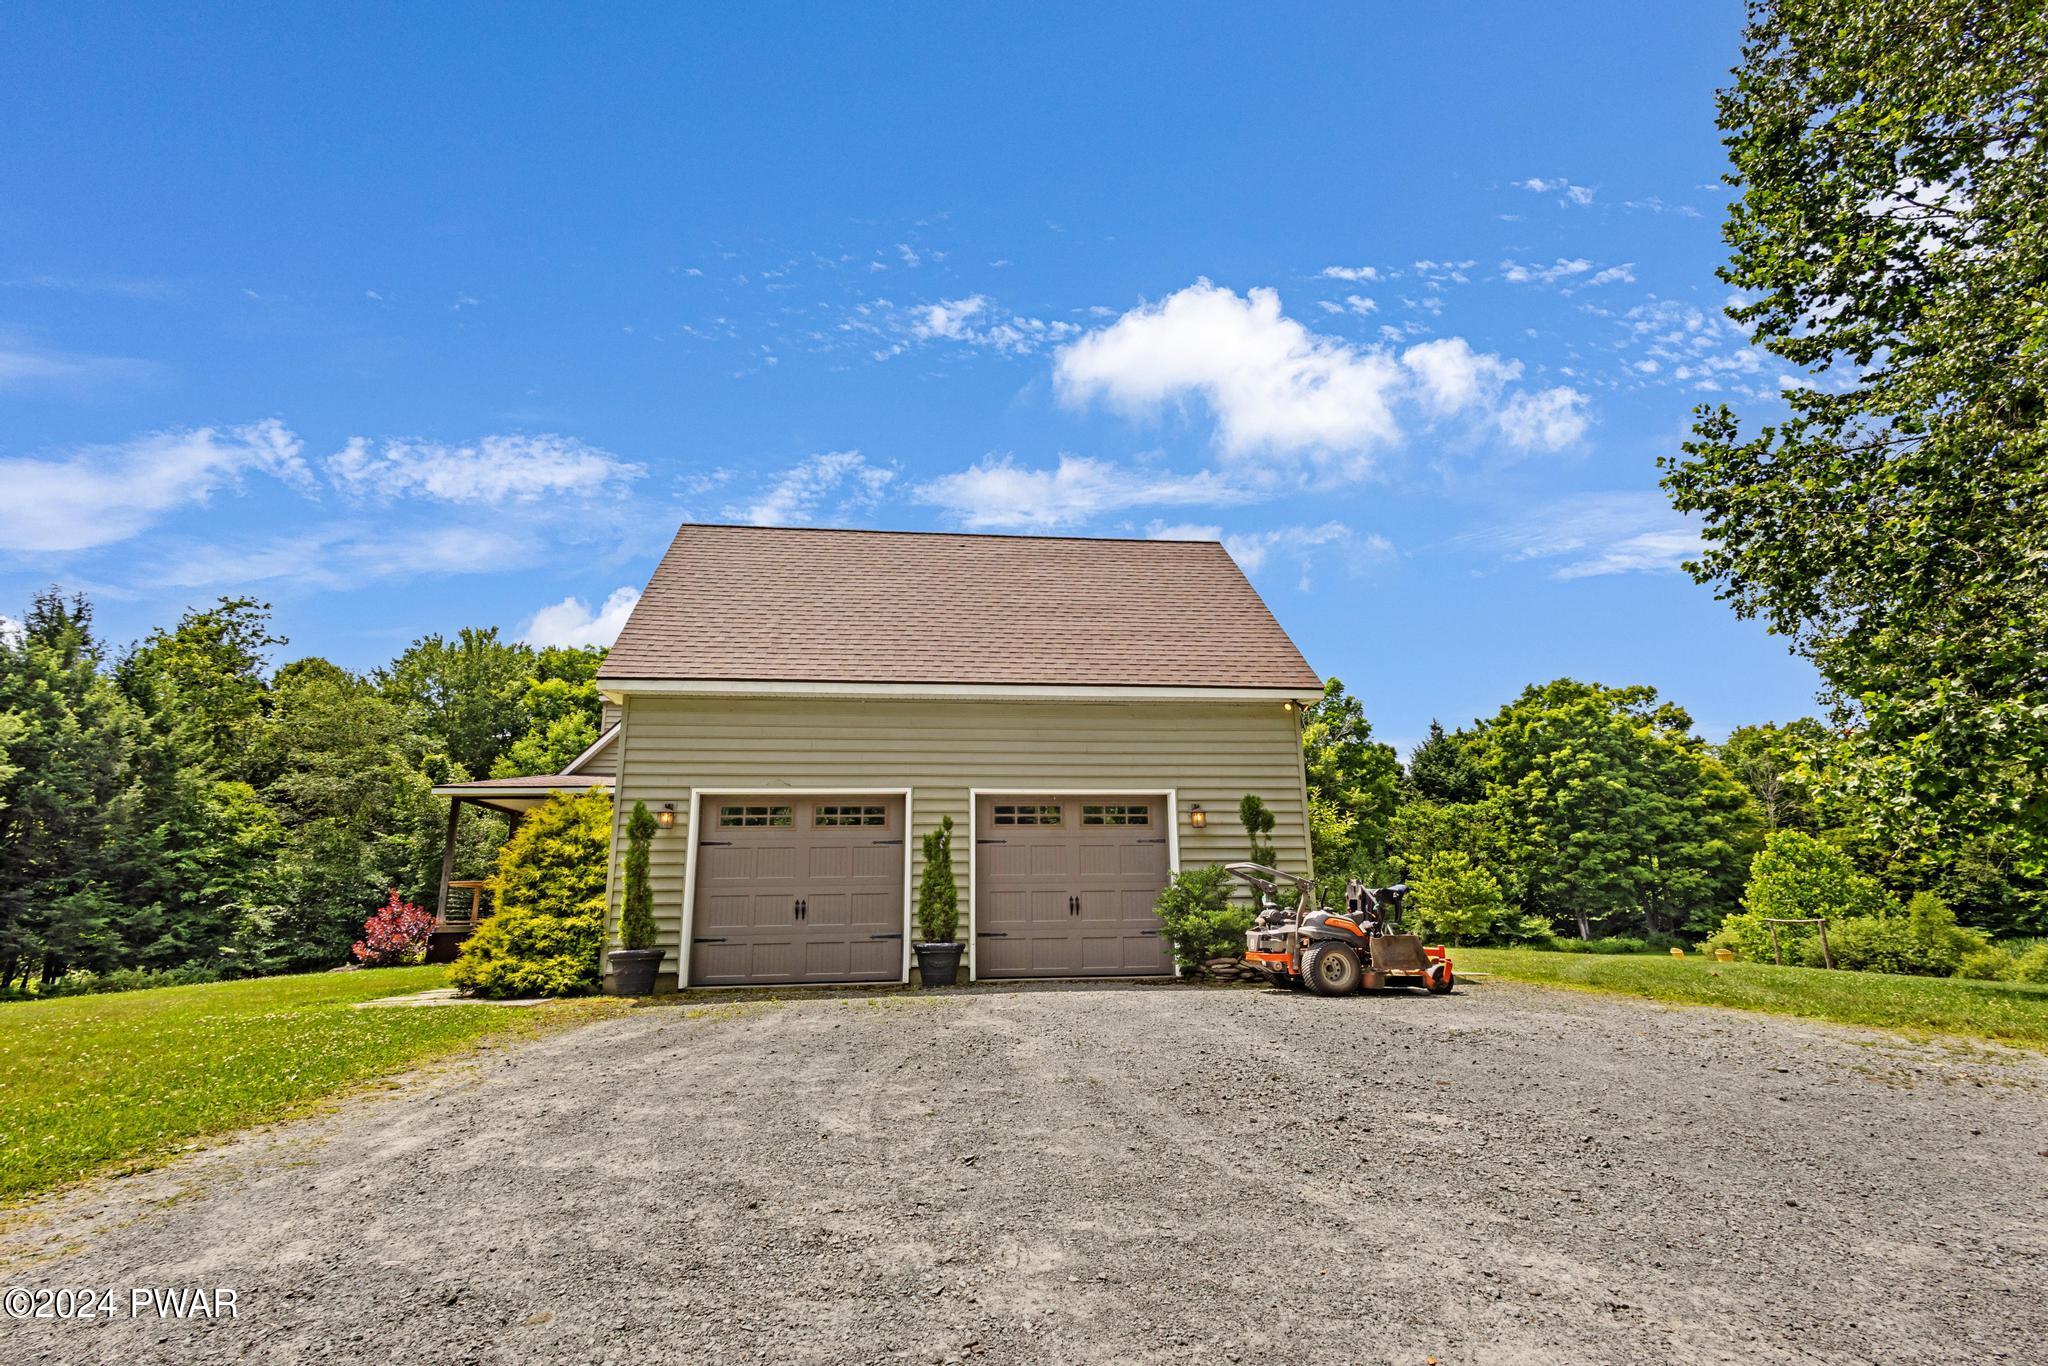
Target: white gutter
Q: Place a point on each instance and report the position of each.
(618, 689)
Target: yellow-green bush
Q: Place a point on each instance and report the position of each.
(1987, 965)
(1795, 876)
(547, 933)
(1453, 899)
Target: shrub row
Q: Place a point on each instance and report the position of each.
(83, 983)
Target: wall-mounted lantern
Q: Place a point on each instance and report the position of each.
(1197, 817)
(666, 817)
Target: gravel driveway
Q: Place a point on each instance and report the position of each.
(1112, 1173)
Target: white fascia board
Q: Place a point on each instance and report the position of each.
(581, 783)
(597, 747)
(617, 689)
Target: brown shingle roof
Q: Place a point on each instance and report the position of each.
(801, 605)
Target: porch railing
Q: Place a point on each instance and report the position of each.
(468, 903)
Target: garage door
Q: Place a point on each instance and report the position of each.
(1063, 886)
(798, 889)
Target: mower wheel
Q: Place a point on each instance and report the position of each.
(1283, 981)
(1439, 979)
(1330, 969)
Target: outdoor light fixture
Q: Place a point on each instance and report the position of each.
(666, 817)
(1197, 817)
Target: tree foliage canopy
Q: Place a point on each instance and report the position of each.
(1352, 785)
(1612, 810)
(182, 805)
(1891, 239)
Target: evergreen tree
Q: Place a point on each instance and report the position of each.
(1441, 769)
(65, 797)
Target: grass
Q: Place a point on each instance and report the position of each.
(87, 1082)
(2010, 1012)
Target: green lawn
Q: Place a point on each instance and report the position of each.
(2008, 1011)
(90, 1081)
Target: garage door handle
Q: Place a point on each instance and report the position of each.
(993, 934)
(991, 841)
(885, 841)
(1073, 905)
(1159, 839)
(800, 911)
(897, 935)
(702, 940)
(1153, 933)
(714, 844)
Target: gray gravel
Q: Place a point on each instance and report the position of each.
(1112, 1173)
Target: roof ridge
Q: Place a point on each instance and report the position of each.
(963, 535)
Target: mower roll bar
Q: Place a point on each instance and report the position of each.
(1268, 882)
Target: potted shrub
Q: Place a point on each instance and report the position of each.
(636, 961)
(938, 911)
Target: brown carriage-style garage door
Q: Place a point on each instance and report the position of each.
(798, 889)
(1063, 886)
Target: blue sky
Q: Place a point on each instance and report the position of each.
(406, 318)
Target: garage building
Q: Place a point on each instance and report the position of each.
(801, 706)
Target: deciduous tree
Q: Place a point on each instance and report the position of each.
(1890, 241)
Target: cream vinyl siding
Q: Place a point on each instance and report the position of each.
(1210, 753)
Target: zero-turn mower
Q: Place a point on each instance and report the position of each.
(1335, 953)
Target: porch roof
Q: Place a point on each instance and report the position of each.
(521, 794)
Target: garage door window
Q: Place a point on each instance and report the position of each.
(1116, 815)
(851, 815)
(1027, 815)
(729, 816)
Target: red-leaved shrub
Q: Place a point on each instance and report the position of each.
(397, 934)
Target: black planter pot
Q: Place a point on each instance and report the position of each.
(633, 970)
(938, 965)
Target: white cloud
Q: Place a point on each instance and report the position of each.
(1157, 530)
(1516, 273)
(1652, 204)
(998, 494)
(1573, 194)
(1295, 547)
(342, 555)
(27, 364)
(1271, 383)
(842, 478)
(1452, 376)
(102, 494)
(1352, 273)
(497, 469)
(1439, 273)
(1549, 420)
(11, 631)
(1299, 548)
(890, 329)
(1276, 388)
(949, 317)
(571, 622)
(1648, 552)
(1597, 534)
(1623, 274)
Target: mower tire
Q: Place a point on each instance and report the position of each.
(1283, 981)
(1438, 979)
(1330, 969)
